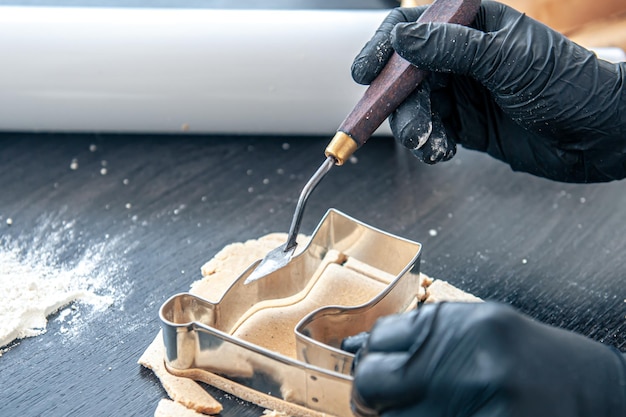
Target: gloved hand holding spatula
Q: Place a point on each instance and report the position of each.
(508, 86)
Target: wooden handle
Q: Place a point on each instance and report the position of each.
(399, 78)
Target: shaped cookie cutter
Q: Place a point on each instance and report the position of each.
(281, 335)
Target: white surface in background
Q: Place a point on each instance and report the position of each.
(173, 70)
(169, 70)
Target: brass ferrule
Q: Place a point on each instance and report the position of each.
(341, 147)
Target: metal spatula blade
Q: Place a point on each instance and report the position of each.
(274, 260)
(280, 256)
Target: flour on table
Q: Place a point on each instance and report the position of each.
(49, 269)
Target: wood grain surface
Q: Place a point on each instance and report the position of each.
(553, 250)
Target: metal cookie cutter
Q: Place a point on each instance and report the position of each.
(281, 335)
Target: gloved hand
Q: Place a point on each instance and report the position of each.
(509, 86)
(484, 359)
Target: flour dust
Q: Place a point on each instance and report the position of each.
(51, 269)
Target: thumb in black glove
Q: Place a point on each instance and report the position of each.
(508, 86)
(484, 359)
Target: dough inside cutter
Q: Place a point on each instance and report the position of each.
(339, 280)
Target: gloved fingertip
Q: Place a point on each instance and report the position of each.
(352, 344)
(437, 46)
(411, 122)
(439, 147)
(450, 154)
(411, 131)
(433, 158)
(379, 381)
(408, 39)
(372, 59)
(361, 71)
(393, 333)
(401, 35)
(436, 149)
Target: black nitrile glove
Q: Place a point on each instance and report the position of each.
(509, 86)
(352, 344)
(484, 360)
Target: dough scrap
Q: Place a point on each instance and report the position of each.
(218, 274)
(182, 390)
(274, 413)
(247, 394)
(440, 291)
(169, 408)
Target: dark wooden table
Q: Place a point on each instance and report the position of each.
(555, 251)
